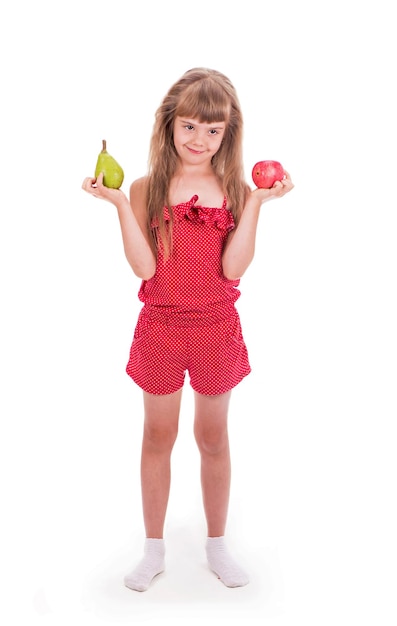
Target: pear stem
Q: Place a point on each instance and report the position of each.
(103, 145)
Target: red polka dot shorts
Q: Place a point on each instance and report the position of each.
(168, 344)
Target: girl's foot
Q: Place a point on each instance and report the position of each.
(150, 566)
(220, 561)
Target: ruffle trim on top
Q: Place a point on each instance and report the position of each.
(220, 217)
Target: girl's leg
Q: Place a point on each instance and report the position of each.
(159, 435)
(211, 433)
(210, 430)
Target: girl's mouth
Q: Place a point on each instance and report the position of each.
(194, 151)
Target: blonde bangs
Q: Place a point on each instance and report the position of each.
(205, 101)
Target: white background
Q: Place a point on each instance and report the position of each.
(312, 512)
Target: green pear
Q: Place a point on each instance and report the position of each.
(113, 174)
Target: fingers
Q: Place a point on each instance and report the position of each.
(87, 183)
(284, 185)
(92, 185)
(281, 187)
(288, 180)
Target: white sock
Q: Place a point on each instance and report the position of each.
(150, 566)
(223, 564)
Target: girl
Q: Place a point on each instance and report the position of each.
(189, 232)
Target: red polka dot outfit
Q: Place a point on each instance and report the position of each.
(189, 322)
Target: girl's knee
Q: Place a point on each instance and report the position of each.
(159, 437)
(211, 441)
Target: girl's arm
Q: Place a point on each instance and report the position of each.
(132, 222)
(240, 247)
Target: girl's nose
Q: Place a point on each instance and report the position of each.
(199, 138)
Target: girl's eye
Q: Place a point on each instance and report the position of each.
(213, 131)
(189, 127)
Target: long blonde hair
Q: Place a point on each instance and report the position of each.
(208, 96)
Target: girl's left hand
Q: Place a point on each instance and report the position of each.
(279, 189)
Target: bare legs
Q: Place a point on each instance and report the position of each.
(211, 434)
(160, 432)
(210, 430)
(159, 435)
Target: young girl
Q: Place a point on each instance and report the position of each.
(189, 232)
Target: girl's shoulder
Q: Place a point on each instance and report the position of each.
(138, 187)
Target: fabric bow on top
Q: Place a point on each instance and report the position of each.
(220, 217)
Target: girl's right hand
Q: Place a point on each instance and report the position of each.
(96, 188)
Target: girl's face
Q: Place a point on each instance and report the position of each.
(197, 142)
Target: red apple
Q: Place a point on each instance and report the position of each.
(265, 173)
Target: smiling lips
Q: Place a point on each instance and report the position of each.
(195, 151)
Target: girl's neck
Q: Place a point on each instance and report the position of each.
(194, 171)
(189, 181)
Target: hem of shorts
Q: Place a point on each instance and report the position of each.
(228, 388)
(213, 393)
(154, 393)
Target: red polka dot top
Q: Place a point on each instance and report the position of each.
(191, 279)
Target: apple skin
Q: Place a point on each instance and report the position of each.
(266, 173)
